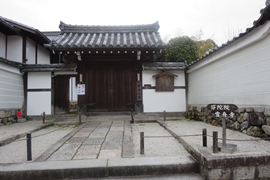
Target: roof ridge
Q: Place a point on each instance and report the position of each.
(107, 28)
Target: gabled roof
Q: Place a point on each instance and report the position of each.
(13, 27)
(98, 37)
(265, 16)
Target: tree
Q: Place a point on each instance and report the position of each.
(203, 45)
(180, 49)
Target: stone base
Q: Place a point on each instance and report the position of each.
(230, 148)
(21, 120)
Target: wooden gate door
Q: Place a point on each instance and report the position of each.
(111, 87)
(61, 95)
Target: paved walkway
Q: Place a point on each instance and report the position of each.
(94, 140)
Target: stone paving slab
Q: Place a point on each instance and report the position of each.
(112, 145)
(66, 152)
(88, 149)
(112, 153)
(93, 141)
(82, 134)
(86, 129)
(98, 134)
(76, 140)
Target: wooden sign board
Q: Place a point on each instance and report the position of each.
(222, 110)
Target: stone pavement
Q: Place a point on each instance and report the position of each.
(95, 140)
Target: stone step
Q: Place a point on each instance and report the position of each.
(99, 168)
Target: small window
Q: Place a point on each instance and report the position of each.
(165, 81)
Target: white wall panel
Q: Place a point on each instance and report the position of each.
(39, 80)
(38, 102)
(11, 88)
(2, 45)
(43, 55)
(30, 51)
(159, 101)
(241, 78)
(14, 48)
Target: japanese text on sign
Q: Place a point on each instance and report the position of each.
(223, 110)
(81, 89)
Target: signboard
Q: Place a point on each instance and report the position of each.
(139, 91)
(81, 89)
(222, 110)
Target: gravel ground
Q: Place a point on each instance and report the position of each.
(16, 152)
(188, 127)
(160, 146)
(17, 128)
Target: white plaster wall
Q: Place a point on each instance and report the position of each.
(39, 80)
(11, 87)
(30, 51)
(14, 48)
(159, 101)
(2, 45)
(43, 56)
(164, 101)
(38, 102)
(241, 78)
(72, 89)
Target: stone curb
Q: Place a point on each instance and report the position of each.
(14, 137)
(98, 168)
(58, 144)
(222, 162)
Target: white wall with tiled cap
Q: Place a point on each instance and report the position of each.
(240, 77)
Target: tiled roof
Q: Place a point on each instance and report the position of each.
(32, 32)
(39, 67)
(11, 63)
(265, 15)
(81, 37)
(165, 65)
(6, 28)
(52, 34)
(48, 67)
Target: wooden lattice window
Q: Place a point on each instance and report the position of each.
(165, 81)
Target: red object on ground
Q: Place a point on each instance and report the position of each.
(19, 114)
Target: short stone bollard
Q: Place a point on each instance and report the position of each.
(29, 148)
(215, 142)
(43, 114)
(80, 117)
(132, 117)
(204, 137)
(142, 143)
(164, 115)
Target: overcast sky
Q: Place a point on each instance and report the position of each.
(176, 17)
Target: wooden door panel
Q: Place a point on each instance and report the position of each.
(110, 86)
(61, 95)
